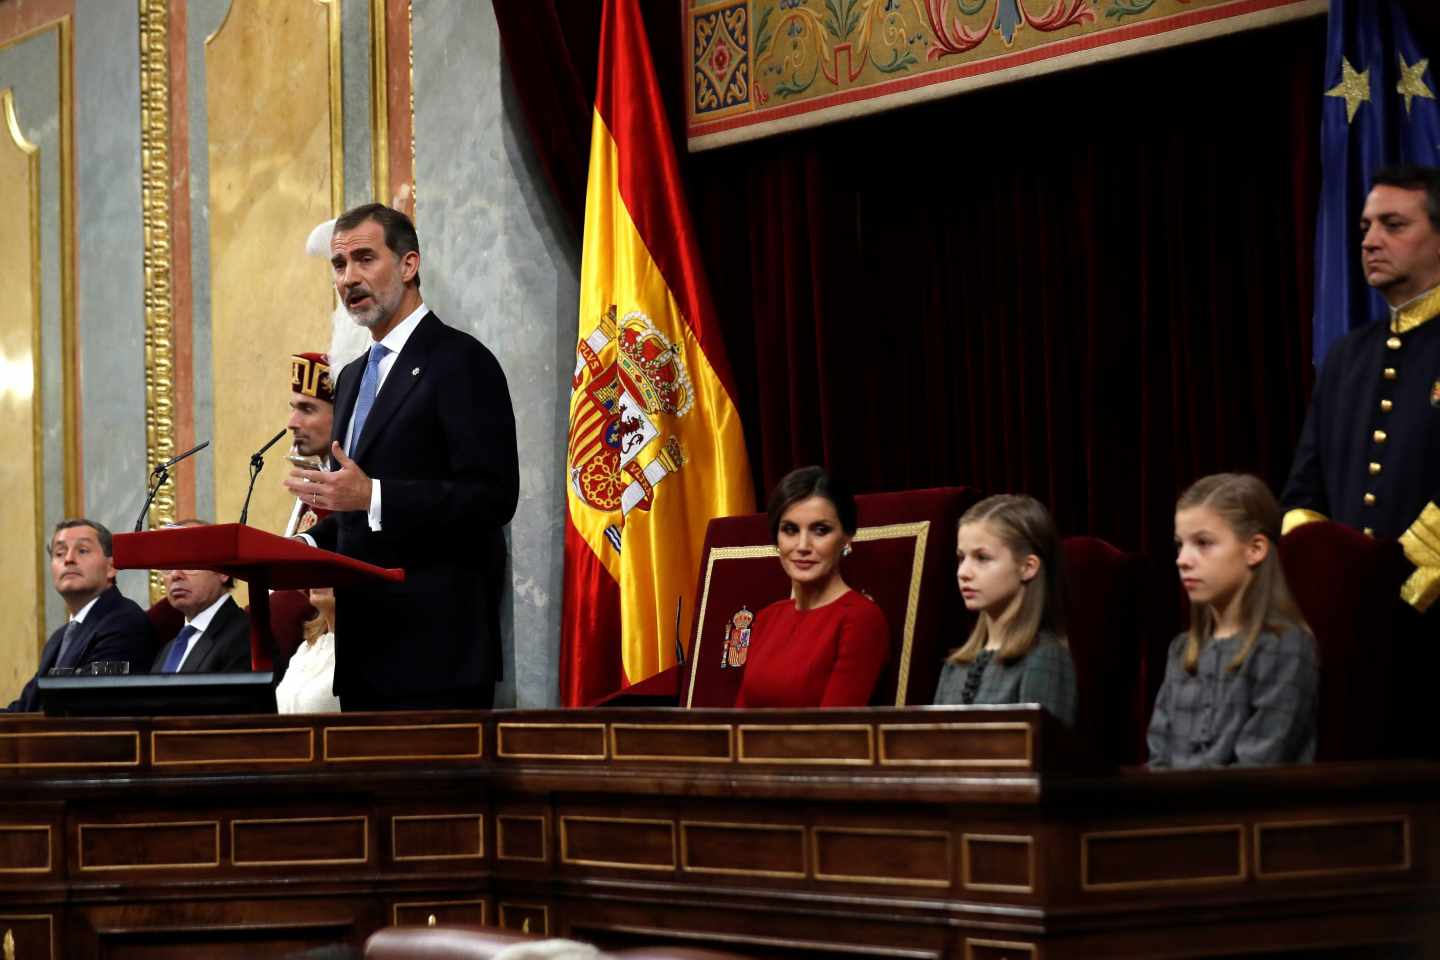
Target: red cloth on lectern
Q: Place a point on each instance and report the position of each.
(827, 657)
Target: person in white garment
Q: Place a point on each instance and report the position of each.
(308, 681)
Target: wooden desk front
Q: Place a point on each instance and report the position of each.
(920, 833)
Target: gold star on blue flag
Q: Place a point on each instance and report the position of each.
(1353, 88)
(1412, 81)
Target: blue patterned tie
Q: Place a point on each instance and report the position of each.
(68, 654)
(369, 386)
(176, 656)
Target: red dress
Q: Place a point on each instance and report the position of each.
(827, 657)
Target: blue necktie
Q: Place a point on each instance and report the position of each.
(68, 651)
(369, 386)
(176, 656)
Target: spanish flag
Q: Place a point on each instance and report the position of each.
(655, 446)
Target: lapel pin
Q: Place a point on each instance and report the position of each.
(415, 372)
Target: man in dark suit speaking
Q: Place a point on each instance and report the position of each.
(425, 475)
(103, 626)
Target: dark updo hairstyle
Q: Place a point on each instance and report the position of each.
(804, 483)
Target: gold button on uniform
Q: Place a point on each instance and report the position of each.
(1390, 373)
(1379, 436)
(1374, 468)
(1369, 531)
(1393, 343)
(1369, 499)
(1386, 406)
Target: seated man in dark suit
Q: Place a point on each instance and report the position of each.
(103, 624)
(216, 635)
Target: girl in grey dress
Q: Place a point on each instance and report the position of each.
(1241, 684)
(1009, 572)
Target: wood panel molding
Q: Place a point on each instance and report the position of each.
(550, 741)
(1162, 857)
(299, 841)
(159, 845)
(403, 742)
(417, 838)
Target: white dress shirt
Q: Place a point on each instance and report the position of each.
(80, 614)
(394, 341)
(200, 622)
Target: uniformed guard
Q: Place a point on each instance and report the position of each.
(1369, 453)
(312, 408)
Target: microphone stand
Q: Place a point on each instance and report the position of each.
(160, 474)
(257, 463)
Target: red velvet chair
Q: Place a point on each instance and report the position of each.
(903, 559)
(1374, 677)
(1115, 624)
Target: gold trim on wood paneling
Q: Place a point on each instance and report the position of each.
(815, 833)
(49, 919)
(618, 864)
(479, 743)
(965, 879)
(1031, 950)
(188, 865)
(479, 853)
(501, 751)
(49, 845)
(159, 736)
(1406, 834)
(379, 103)
(685, 826)
(29, 183)
(70, 735)
(867, 760)
(1026, 762)
(158, 256)
(364, 841)
(500, 837)
(425, 904)
(1238, 877)
(674, 757)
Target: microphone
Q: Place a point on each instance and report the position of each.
(160, 474)
(188, 453)
(268, 444)
(257, 461)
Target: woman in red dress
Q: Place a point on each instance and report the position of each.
(825, 645)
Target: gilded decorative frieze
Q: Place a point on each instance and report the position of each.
(758, 67)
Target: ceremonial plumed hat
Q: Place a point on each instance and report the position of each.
(310, 375)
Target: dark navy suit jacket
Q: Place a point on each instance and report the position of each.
(440, 438)
(114, 629)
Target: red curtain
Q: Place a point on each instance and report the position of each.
(1092, 286)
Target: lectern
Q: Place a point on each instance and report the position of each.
(261, 559)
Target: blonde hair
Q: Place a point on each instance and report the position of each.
(314, 628)
(1025, 527)
(1248, 508)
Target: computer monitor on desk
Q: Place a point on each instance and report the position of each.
(158, 695)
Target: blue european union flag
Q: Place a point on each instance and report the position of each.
(1380, 110)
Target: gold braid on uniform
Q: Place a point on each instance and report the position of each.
(1422, 548)
(1298, 518)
